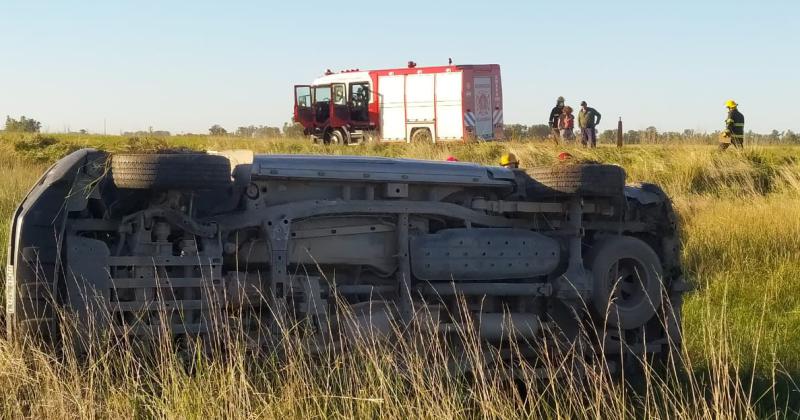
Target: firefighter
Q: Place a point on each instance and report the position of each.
(509, 160)
(555, 118)
(734, 127)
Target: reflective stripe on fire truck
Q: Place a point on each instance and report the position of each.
(498, 116)
(469, 119)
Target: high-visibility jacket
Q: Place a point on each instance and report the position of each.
(735, 123)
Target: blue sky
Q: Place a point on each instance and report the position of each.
(185, 65)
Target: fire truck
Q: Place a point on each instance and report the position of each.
(411, 104)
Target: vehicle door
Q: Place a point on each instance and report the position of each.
(303, 113)
(359, 102)
(482, 91)
(340, 111)
(322, 105)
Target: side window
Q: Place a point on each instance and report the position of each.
(322, 94)
(303, 96)
(359, 93)
(339, 95)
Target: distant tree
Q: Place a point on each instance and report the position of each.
(82, 131)
(149, 133)
(293, 129)
(539, 131)
(23, 125)
(217, 130)
(515, 131)
(265, 131)
(632, 137)
(608, 136)
(249, 131)
(651, 134)
(791, 137)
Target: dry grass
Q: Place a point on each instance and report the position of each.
(741, 228)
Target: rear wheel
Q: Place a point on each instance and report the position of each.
(583, 179)
(627, 281)
(421, 135)
(170, 171)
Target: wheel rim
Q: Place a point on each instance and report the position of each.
(627, 283)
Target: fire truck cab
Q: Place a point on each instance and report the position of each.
(434, 104)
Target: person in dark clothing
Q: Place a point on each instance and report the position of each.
(734, 127)
(555, 118)
(588, 119)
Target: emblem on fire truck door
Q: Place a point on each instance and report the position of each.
(483, 103)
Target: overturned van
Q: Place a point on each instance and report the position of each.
(185, 243)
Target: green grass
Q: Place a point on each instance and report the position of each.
(740, 215)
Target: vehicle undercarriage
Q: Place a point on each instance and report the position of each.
(189, 244)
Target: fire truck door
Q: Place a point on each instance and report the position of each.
(302, 105)
(340, 114)
(322, 105)
(484, 128)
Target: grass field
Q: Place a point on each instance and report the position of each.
(740, 215)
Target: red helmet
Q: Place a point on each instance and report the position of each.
(564, 156)
(452, 159)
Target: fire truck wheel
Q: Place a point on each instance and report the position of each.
(421, 135)
(336, 137)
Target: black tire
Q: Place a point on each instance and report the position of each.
(421, 135)
(191, 171)
(336, 137)
(582, 179)
(628, 281)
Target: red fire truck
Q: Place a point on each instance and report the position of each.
(445, 103)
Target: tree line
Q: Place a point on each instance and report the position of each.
(261, 131)
(651, 135)
(521, 132)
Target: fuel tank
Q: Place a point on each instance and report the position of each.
(483, 254)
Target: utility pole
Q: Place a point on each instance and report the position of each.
(619, 133)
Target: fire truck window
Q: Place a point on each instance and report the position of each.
(322, 94)
(303, 96)
(339, 95)
(359, 93)
(359, 101)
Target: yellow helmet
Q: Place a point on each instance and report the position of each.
(509, 159)
(731, 104)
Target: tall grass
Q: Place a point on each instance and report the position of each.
(740, 214)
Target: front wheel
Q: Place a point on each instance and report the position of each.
(336, 137)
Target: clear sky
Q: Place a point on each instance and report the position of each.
(185, 65)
